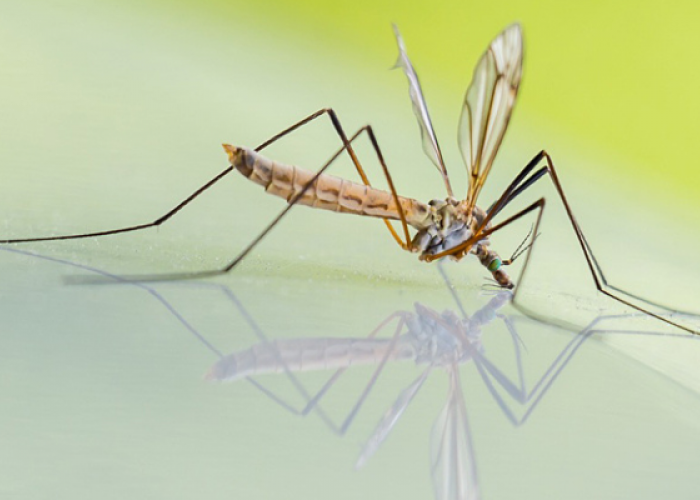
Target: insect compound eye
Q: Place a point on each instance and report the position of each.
(494, 265)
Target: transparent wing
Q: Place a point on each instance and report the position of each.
(488, 104)
(420, 108)
(452, 462)
(390, 418)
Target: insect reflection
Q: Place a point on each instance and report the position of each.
(443, 342)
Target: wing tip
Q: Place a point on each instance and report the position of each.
(513, 30)
(515, 27)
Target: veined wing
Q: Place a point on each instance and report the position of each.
(420, 108)
(488, 104)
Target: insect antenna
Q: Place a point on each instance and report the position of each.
(522, 248)
(492, 285)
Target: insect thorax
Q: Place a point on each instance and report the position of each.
(442, 339)
(449, 226)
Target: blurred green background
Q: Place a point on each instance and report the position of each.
(616, 78)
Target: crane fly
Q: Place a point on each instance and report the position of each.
(449, 227)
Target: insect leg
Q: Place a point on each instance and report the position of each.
(313, 403)
(451, 289)
(385, 169)
(346, 146)
(137, 227)
(601, 282)
(358, 166)
(375, 376)
(244, 253)
(599, 279)
(160, 220)
(401, 315)
(186, 201)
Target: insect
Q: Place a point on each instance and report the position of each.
(448, 342)
(449, 227)
(434, 341)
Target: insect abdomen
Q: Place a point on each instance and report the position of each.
(299, 355)
(327, 192)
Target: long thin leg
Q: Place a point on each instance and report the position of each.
(313, 403)
(375, 376)
(334, 378)
(601, 282)
(451, 289)
(402, 215)
(358, 166)
(300, 194)
(599, 279)
(346, 147)
(137, 227)
(176, 209)
(518, 185)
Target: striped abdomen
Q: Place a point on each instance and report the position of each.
(327, 191)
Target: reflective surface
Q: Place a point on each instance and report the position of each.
(104, 385)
